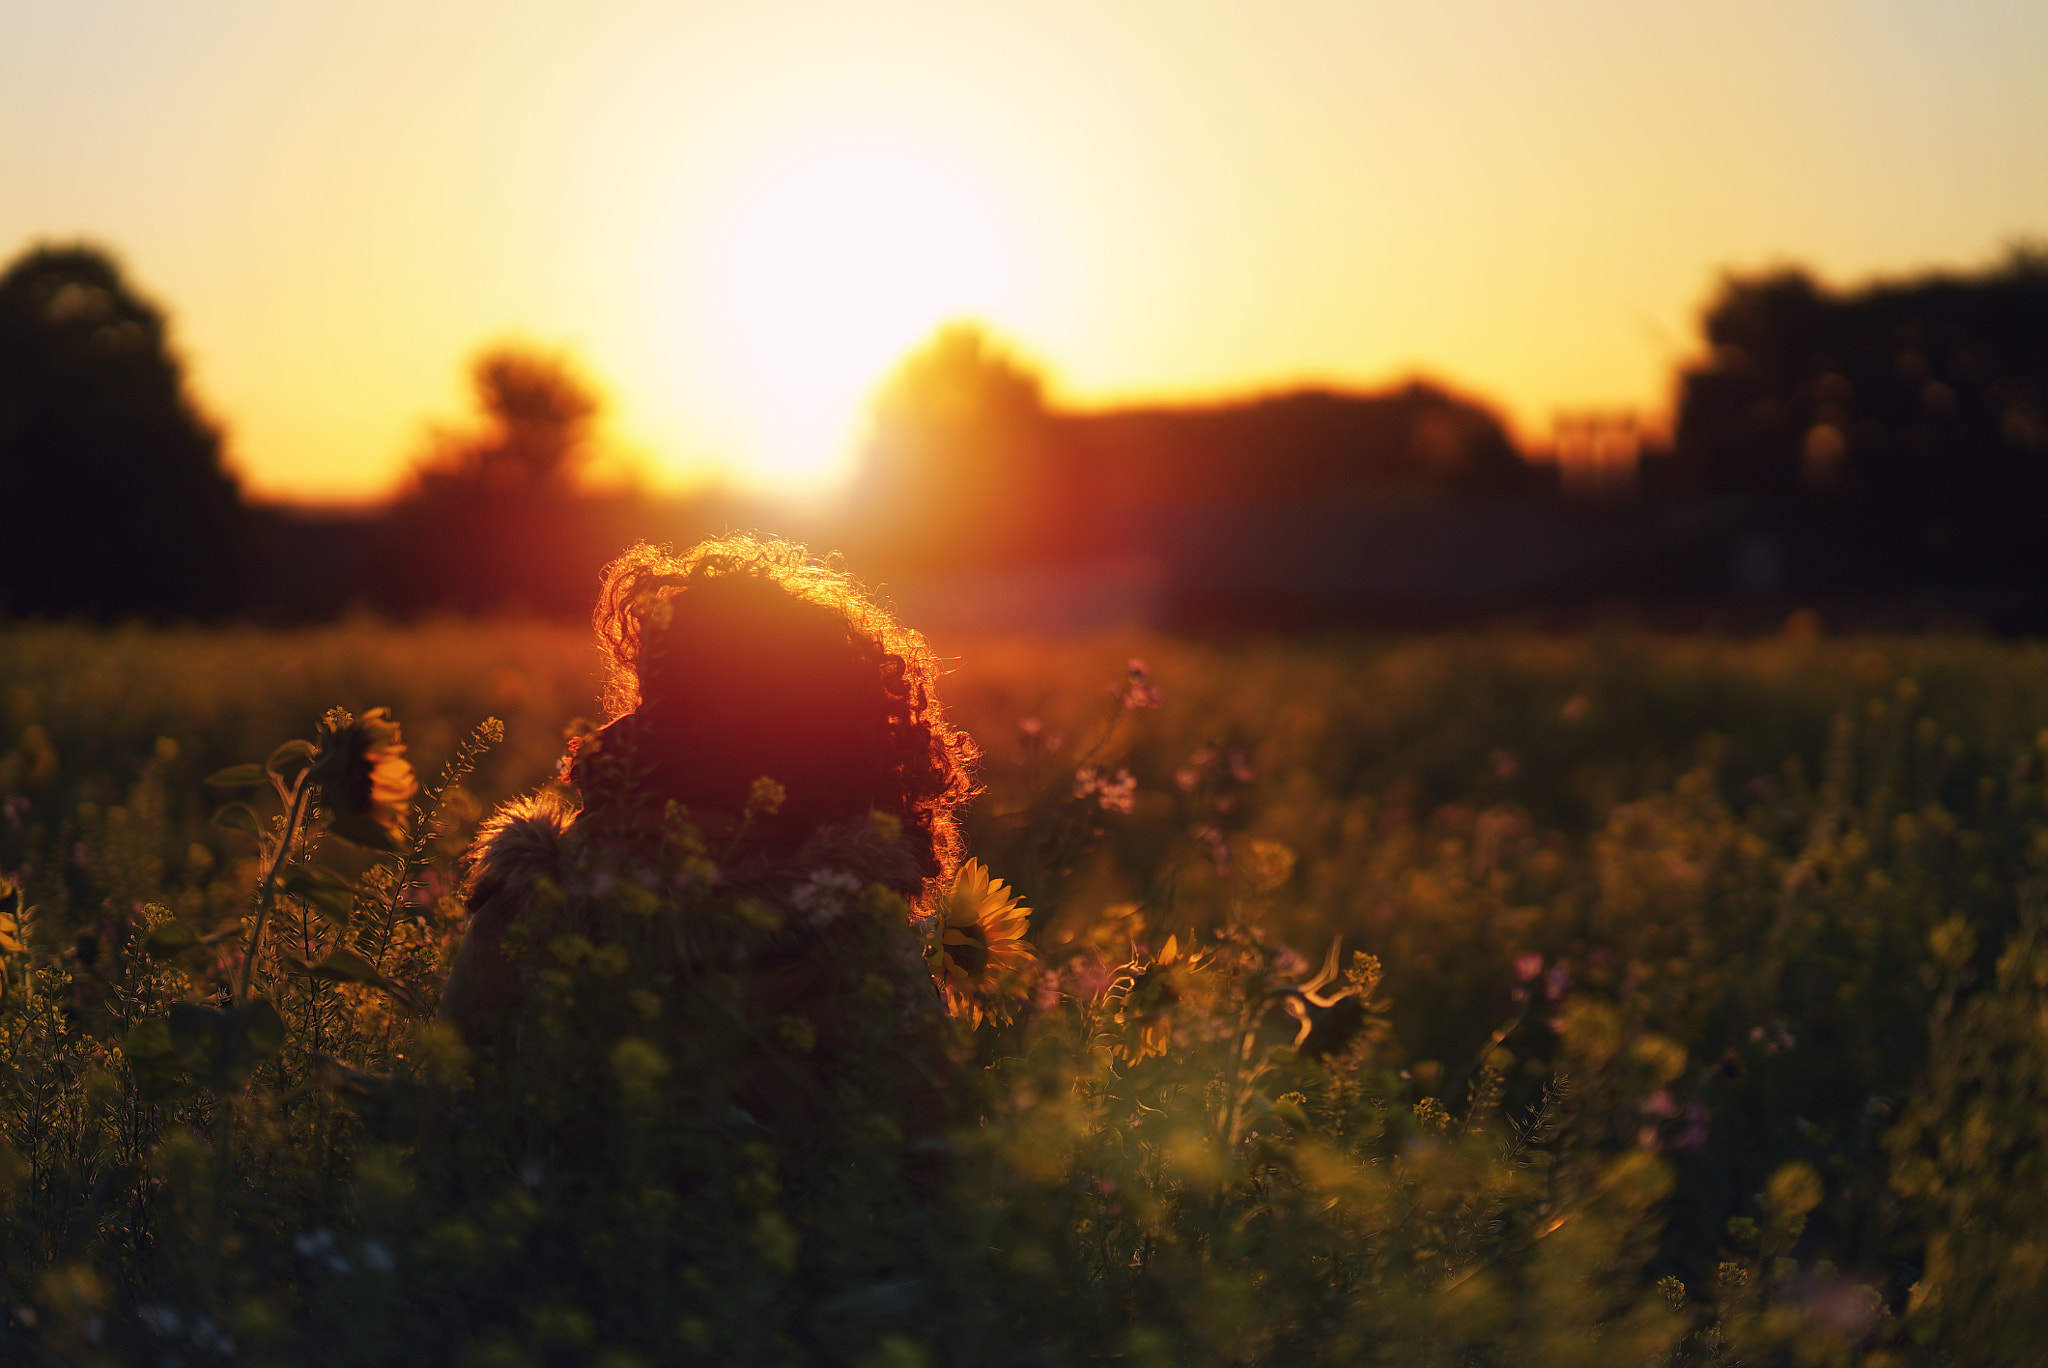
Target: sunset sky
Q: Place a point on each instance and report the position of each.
(738, 216)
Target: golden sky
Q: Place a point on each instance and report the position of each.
(737, 215)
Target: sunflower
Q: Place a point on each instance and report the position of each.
(11, 917)
(981, 942)
(1145, 992)
(364, 776)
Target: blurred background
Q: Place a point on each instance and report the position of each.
(1048, 318)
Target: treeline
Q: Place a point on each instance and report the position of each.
(120, 505)
(1885, 445)
(969, 465)
(115, 499)
(1896, 436)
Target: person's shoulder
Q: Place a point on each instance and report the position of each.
(519, 842)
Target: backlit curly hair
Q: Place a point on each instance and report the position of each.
(746, 658)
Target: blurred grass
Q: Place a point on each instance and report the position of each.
(1414, 722)
(1731, 939)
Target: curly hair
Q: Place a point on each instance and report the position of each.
(745, 658)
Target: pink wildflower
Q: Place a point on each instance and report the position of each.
(1139, 690)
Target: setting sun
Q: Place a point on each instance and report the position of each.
(833, 264)
(739, 218)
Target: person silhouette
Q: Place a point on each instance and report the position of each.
(766, 823)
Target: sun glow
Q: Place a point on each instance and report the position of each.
(834, 264)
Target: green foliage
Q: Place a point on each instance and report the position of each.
(1687, 1010)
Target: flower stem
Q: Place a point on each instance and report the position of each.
(266, 892)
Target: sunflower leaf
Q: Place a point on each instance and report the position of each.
(238, 776)
(238, 817)
(346, 966)
(289, 759)
(301, 877)
(168, 939)
(159, 1076)
(150, 1040)
(257, 1030)
(322, 889)
(197, 1036)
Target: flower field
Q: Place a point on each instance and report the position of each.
(1466, 1000)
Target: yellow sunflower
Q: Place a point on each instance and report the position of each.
(11, 917)
(981, 945)
(363, 774)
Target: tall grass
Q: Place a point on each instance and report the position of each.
(1687, 1010)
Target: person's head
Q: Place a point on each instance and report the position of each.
(743, 659)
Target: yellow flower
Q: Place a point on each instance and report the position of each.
(363, 774)
(981, 942)
(1146, 992)
(10, 917)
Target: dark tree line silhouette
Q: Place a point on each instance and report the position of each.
(117, 501)
(1887, 442)
(493, 517)
(968, 463)
(1897, 433)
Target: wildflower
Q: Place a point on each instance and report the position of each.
(1219, 849)
(1528, 966)
(1268, 863)
(1090, 977)
(766, 797)
(1112, 794)
(1031, 732)
(318, 1246)
(825, 895)
(161, 1320)
(1139, 690)
(363, 774)
(981, 941)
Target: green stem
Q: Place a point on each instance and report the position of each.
(266, 892)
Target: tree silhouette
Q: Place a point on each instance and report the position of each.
(117, 498)
(538, 415)
(969, 464)
(1908, 420)
(494, 518)
(962, 464)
